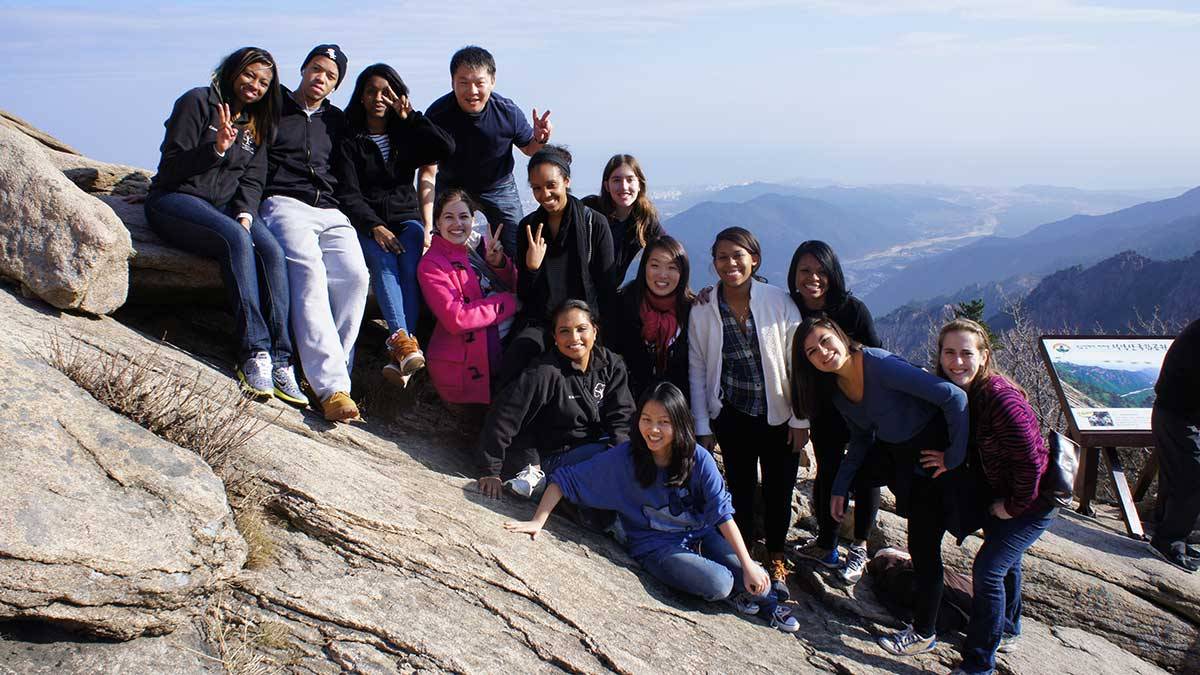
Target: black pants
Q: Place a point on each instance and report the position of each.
(745, 443)
(1178, 440)
(829, 438)
(926, 527)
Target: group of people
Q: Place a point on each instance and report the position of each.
(613, 397)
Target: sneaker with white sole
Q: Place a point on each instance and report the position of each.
(907, 642)
(255, 374)
(856, 562)
(825, 557)
(527, 481)
(286, 389)
(1008, 643)
(782, 620)
(743, 603)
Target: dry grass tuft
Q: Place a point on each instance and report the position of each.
(237, 641)
(250, 516)
(210, 418)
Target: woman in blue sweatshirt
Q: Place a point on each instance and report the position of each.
(907, 428)
(204, 200)
(673, 506)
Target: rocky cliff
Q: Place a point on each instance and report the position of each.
(307, 547)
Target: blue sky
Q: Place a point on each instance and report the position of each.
(995, 92)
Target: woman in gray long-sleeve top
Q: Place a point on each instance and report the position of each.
(907, 429)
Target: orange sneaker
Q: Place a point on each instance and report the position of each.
(339, 407)
(406, 353)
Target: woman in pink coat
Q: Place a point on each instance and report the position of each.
(472, 297)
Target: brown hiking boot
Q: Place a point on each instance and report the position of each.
(339, 407)
(777, 568)
(407, 357)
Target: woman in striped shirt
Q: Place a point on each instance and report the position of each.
(1007, 444)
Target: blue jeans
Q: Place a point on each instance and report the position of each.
(996, 577)
(500, 204)
(394, 276)
(709, 569)
(252, 264)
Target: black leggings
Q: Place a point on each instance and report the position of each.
(927, 504)
(745, 443)
(829, 437)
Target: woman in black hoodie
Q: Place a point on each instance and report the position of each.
(564, 251)
(387, 142)
(204, 200)
(570, 404)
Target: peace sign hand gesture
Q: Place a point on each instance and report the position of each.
(400, 104)
(493, 249)
(542, 127)
(226, 132)
(537, 248)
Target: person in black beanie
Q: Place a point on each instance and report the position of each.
(326, 270)
(1176, 424)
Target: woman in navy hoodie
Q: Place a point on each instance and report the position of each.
(386, 143)
(673, 507)
(907, 428)
(204, 200)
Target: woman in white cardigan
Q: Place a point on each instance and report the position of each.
(739, 373)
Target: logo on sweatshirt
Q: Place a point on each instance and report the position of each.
(598, 390)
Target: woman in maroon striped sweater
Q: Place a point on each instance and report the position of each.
(1007, 443)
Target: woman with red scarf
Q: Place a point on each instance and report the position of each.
(649, 329)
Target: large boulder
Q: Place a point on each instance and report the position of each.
(162, 273)
(106, 527)
(63, 245)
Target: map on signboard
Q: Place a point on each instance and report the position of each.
(1108, 383)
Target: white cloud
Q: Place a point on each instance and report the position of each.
(960, 43)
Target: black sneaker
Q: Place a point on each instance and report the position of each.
(1176, 554)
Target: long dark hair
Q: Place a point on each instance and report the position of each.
(836, 293)
(683, 441)
(740, 236)
(263, 113)
(356, 114)
(645, 216)
(806, 399)
(683, 293)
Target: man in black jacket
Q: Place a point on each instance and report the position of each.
(326, 270)
(1176, 424)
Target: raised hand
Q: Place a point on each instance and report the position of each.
(493, 248)
(400, 104)
(542, 127)
(226, 132)
(537, 248)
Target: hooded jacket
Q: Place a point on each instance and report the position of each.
(558, 407)
(457, 353)
(375, 192)
(190, 163)
(300, 163)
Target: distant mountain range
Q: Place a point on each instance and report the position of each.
(1113, 296)
(1097, 387)
(1161, 229)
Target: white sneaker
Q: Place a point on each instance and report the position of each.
(907, 642)
(856, 561)
(527, 481)
(255, 374)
